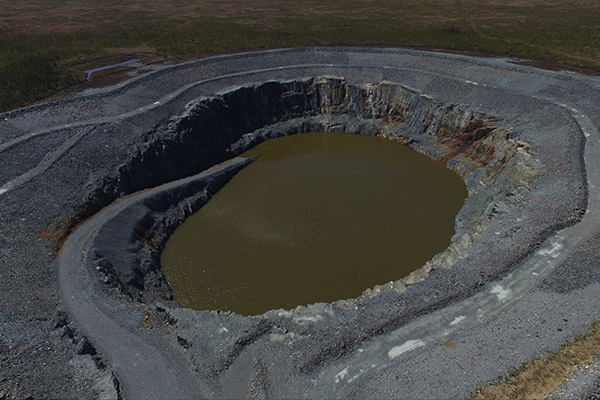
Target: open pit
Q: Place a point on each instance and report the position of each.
(497, 170)
(109, 175)
(316, 217)
(495, 167)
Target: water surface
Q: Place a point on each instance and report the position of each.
(316, 218)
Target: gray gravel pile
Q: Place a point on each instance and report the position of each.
(519, 279)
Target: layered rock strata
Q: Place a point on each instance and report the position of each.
(496, 169)
(212, 130)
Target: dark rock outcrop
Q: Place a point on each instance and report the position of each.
(213, 130)
(495, 168)
(216, 129)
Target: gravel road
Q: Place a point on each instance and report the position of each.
(66, 340)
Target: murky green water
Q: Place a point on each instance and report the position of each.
(318, 217)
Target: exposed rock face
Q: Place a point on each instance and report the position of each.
(304, 352)
(212, 130)
(215, 129)
(496, 169)
(127, 248)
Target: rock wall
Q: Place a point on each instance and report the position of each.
(127, 248)
(212, 130)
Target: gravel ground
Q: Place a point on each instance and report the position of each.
(539, 281)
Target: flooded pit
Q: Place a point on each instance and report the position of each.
(317, 217)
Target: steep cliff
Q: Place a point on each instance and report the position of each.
(495, 167)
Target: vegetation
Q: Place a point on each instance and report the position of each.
(541, 376)
(46, 46)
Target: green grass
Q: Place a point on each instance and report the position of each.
(45, 47)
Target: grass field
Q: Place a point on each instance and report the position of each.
(46, 45)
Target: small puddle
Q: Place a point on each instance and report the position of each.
(317, 217)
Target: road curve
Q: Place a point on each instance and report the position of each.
(143, 362)
(84, 126)
(485, 305)
(146, 366)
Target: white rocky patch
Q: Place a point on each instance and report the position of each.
(340, 376)
(356, 376)
(308, 318)
(502, 293)
(404, 348)
(552, 252)
(284, 313)
(278, 337)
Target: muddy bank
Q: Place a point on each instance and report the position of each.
(497, 169)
